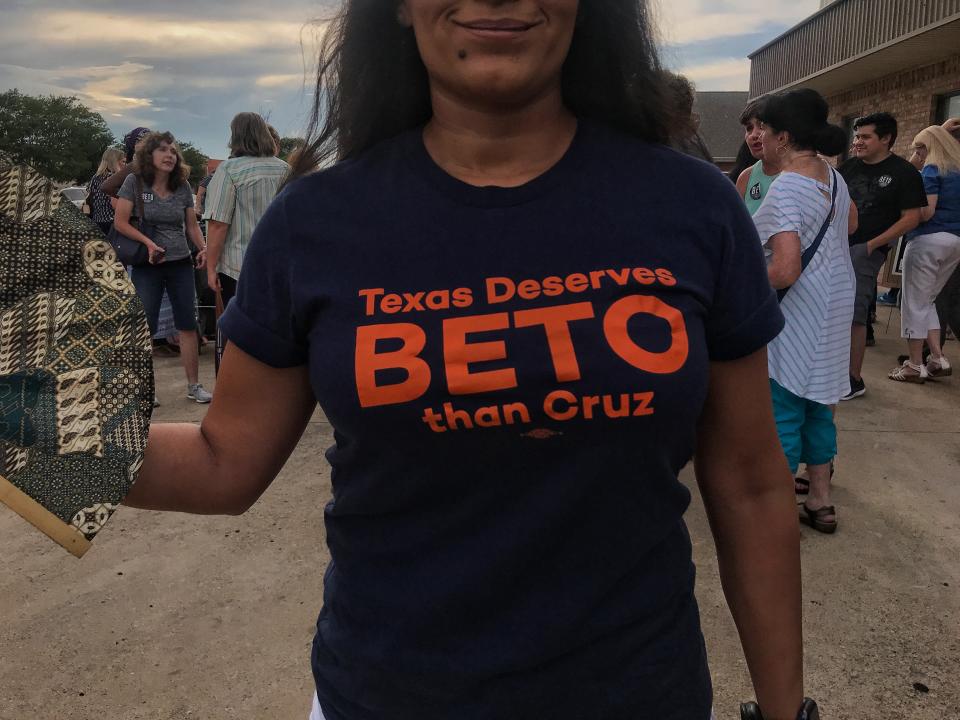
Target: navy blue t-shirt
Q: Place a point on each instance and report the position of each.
(514, 376)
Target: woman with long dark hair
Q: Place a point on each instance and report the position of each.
(158, 189)
(804, 222)
(521, 333)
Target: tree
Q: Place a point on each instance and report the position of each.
(57, 135)
(196, 160)
(288, 146)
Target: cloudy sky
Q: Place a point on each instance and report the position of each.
(190, 65)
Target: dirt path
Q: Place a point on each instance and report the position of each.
(172, 617)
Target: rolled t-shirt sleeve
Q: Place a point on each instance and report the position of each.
(261, 319)
(744, 315)
(912, 194)
(128, 191)
(221, 198)
(931, 180)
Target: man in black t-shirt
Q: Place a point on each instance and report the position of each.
(888, 192)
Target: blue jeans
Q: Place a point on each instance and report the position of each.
(177, 278)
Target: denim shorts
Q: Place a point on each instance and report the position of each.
(177, 278)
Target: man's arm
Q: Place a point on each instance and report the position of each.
(216, 239)
(909, 219)
(748, 493)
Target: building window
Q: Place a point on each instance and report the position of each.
(948, 107)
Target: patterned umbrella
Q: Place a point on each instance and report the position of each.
(76, 373)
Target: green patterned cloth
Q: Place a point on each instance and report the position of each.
(76, 374)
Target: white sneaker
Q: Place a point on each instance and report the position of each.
(196, 392)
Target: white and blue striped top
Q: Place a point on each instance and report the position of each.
(811, 357)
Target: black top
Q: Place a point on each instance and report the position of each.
(514, 377)
(881, 193)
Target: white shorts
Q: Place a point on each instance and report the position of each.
(317, 714)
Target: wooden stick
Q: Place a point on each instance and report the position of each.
(37, 515)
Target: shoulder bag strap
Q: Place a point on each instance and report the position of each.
(811, 251)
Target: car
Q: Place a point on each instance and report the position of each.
(76, 194)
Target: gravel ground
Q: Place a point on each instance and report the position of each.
(171, 617)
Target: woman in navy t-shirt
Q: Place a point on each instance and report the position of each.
(521, 330)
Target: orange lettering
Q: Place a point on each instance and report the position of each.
(666, 277)
(556, 321)
(549, 405)
(577, 282)
(493, 285)
(615, 329)
(368, 361)
(552, 286)
(391, 304)
(458, 354)
(528, 289)
(644, 276)
(371, 296)
(463, 297)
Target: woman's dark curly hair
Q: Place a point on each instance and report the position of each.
(372, 84)
(143, 161)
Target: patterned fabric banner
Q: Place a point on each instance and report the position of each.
(76, 373)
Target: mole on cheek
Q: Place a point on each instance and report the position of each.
(462, 54)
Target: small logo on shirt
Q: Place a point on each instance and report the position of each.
(884, 181)
(147, 197)
(756, 192)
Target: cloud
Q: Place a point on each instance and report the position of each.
(691, 21)
(723, 74)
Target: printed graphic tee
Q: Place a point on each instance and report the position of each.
(513, 376)
(166, 215)
(881, 193)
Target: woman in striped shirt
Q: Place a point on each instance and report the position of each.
(808, 361)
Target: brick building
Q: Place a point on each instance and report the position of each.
(902, 56)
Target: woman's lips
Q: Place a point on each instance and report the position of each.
(504, 28)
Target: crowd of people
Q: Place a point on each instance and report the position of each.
(195, 241)
(479, 569)
(819, 354)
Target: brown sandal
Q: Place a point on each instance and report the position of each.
(815, 518)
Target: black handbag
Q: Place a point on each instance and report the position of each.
(132, 252)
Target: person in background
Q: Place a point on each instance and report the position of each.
(276, 139)
(201, 198)
(686, 132)
(808, 361)
(111, 186)
(237, 198)
(754, 182)
(536, 565)
(932, 256)
(160, 177)
(101, 204)
(888, 192)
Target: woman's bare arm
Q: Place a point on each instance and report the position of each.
(223, 465)
(748, 493)
(743, 181)
(786, 262)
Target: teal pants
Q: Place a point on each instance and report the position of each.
(806, 428)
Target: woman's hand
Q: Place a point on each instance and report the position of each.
(202, 259)
(156, 252)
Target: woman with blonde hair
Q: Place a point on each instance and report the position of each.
(931, 257)
(102, 205)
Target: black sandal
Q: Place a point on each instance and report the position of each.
(815, 518)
